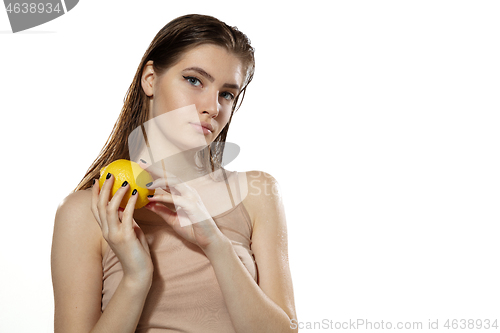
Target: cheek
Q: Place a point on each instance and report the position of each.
(224, 118)
(173, 99)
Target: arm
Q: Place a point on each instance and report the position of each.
(76, 266)
(77, 275)
(269, 306)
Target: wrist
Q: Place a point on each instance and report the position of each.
(218, 247)
(138, 283)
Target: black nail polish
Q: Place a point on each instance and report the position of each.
(134, 192)
(124, 183)
(143, 161)
(93, 183)
(108, 175)
(150, 196)
(149, 184)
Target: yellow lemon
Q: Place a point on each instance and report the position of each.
(125, 170)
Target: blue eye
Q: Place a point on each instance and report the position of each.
(227, 95)
(192, 80)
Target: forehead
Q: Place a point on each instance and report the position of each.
(224, 66)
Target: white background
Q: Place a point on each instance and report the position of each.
(379, 119)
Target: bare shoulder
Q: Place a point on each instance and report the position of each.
(259, 187)
(74, 218)
(261, 195)
(78, 201)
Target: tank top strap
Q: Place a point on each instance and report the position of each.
(228, 188)
(237, 181)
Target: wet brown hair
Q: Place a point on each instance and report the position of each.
(166, 49)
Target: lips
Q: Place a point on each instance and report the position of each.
(207, 126)
(201, 129)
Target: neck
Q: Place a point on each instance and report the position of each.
(180, 163)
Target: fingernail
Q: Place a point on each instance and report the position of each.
(134, 192)
(124, 183)
(93, 183)
(108, 175)
(143, 161)
(149, 184)
(150, 196)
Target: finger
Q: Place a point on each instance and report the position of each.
(146, 166)
(102, 202)
(143, 164)
(164, 183)
(113, 206)
(128, 213)
(95, 198)
(179, 202)
(104, 192)
(181, 187)
(168, 198)
(157, 183)
(164, 212)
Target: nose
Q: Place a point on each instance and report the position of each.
(210, 104)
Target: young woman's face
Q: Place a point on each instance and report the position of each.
(198, 89)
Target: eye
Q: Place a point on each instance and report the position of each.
(192, 80)
(227, 95)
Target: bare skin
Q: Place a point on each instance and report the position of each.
(87, 222)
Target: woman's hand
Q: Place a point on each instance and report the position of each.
(191, 219)
(122, 233)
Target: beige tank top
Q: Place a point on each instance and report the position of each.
(185, 295)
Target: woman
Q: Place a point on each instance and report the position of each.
(203, 255)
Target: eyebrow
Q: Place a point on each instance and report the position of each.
(211, 78)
